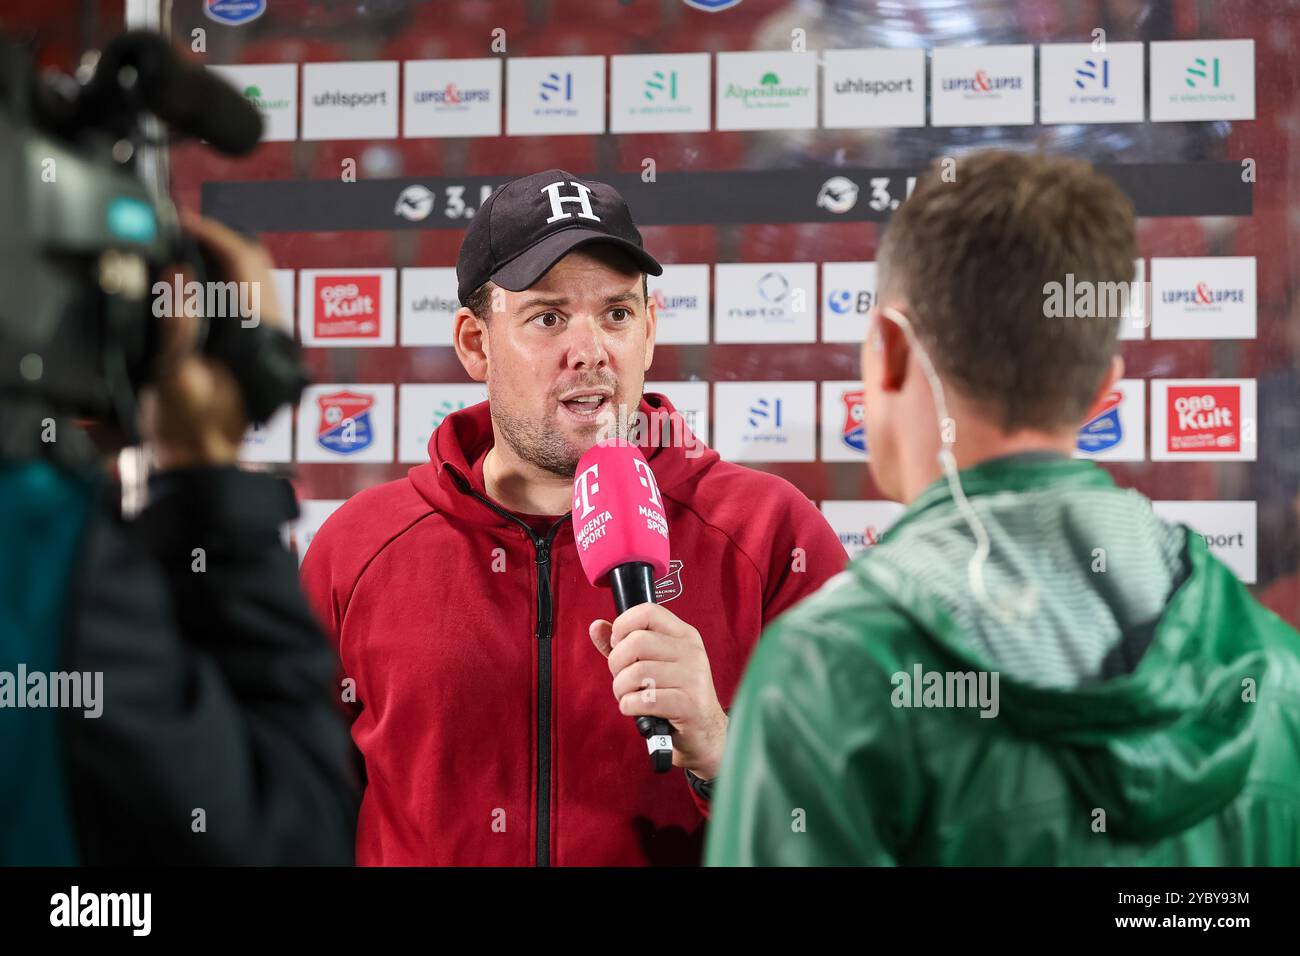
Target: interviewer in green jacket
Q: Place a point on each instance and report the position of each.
(1030, 668)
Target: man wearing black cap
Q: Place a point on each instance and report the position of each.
(493, 731)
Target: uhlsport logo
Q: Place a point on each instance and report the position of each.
(854, 434)
(345, 426)
(1105, 429)
(1204, 418)
(670, 585)
(838, 195)
(233, 13)
(983, 85)
(347, 307)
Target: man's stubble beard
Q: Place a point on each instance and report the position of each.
(535, 441)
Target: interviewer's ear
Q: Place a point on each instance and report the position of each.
(893, 352)
(469, 335)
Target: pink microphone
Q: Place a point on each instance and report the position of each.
(622, 535)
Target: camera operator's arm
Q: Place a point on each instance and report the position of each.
(219, 740)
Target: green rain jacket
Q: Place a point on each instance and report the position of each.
(1146, 709)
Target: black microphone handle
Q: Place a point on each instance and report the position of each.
(633, 584)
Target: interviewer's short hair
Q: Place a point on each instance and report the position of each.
(973, 258)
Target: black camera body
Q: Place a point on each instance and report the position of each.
(83, 242)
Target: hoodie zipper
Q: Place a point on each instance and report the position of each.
(542, 566)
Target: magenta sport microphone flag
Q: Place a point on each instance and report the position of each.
(622, 534)
(618, 515)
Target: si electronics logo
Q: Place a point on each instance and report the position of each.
(1204, 418)
(1093, 73)
(1105, 429)
(670, 585)
(661, 85)
(345, 426)
(557, 87)
(765, 413)
(1203, 72)
(233, 13)
(854, 435)
(347, 307)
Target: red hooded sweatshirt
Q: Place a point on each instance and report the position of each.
(485, 715)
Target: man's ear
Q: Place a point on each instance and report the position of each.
(894, 351)
(469, 336)
(1108, 383)
(651, 327)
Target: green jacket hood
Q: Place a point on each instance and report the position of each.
(1133, 653)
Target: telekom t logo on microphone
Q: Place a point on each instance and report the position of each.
(647, 479)
(584, 486)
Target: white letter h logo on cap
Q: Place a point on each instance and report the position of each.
(557, 202)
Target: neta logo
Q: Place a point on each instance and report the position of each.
(584, 486)
(557, 202)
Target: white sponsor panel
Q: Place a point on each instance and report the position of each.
(273, 89)
(1116, 429)
(1134, 324)
(349, 100)
(1081, 85)
(1203, 419)
(429, 305)
(691, 399)
(312, 513)
(982, 86)
(422, 408)
(681, 297)
(848, 293)
(1229, 528)
(1208, 297)
(272, 442)
(554, 95)
(659, 92)
(286, 296)
(765, 421)
(860, 524)
(762, 90)
(873, 88)
(451, 98)
(340, 308)
(346, 422)
(766, 302)
(844, 431)
(1202, 80)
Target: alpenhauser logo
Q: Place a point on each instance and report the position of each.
(254, 95)
(768, 93)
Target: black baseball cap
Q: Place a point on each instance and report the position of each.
(531, 223)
